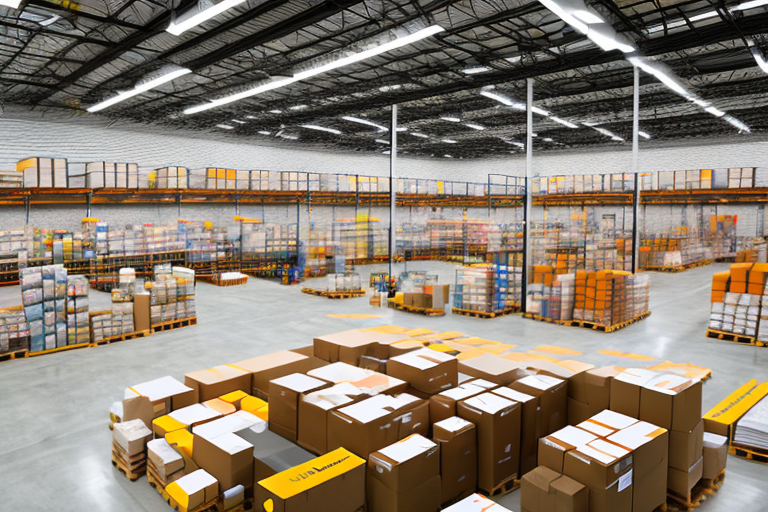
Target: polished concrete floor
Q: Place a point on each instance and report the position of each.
(54, 442)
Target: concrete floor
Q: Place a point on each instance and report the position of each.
(54, 447)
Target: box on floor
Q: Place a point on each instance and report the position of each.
(457, 439)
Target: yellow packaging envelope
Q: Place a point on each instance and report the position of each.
(168, 424)
(311, 474)
(252, 404)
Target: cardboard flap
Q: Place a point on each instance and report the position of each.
(139, 407)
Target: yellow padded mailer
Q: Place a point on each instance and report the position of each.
(315, 472)
(252, 404)
(234, 397)
(181, 438)
(168, 424)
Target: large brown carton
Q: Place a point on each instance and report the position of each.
(574, 372)
(476, 503)
(529, 426)
(682, 481)
(606, 469)
(493, 368)
(194, 415)
(141, 317)
(597, 384)
(671, 402)
(273, 366)
(607, 422)
(283, 406)
(426, 370)
(132, 436)
(368, 380)
(552, 393)
(228, 457)
(166, 459)
(272, 453)
(404, 477)
(313, 413)
(443, 405)
(194, 490)
(498, 437)
(217, 381)
(349, 346)
(334, 482)
(535, 490)
(649, 445)
(715, 455)
(150, 400)
(577, 411)
(570, 495)
(625, 390)
(685, 448)
(552, 448)
(457, 439)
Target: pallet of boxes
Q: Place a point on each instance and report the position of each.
(739, 307)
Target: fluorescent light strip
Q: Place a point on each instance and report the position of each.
(474, 126)
(738, 124)
(759, 59)
(607, 133)
(321, 128)
(715, 112)
(415, 134)
(588, 17)
(264, 132)
(547, 139)
(365, 122)
(297, 107)
(141, 88)
(749, 5)
(275, 111)
(504, 100)
(447, 156)
(451, 119)
(643, 135)
(345, 61)
(225, 127)
(238, 121)
(563, 122)
(604, 41)
(476, 70)
(250, 117)
(382, 141)
(192, 21)
(541, 112)
(13, 4)
(387, 88)
(449, 141)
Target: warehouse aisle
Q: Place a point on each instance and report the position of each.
(56, 439)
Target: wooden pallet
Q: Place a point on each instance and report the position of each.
(417, 310)
(749, 452)
(174, 324)
(674, 269)
(228, 282)
(698, 495)
(122, 337)
(58, 349)
(14, 354)
(589, 325)
(132, 467)
(348, 294)
(506, 487)
(484, 314)
(735, 338)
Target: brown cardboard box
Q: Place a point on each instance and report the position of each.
(685, 448)
(427, 370)
(443, 405)
(192, 416)
(457, 439)
(650, 446)
(272, 453)
(313, 413)
(552, 448)
(606, 423)
(493, 368)
(348, 346)
(132, 436)
(715, 455)
(397, 470)
(339, 487)
(228, 457)
(682, 481)
(409, 299)
(217, 381)
(625, 390)
(671, 402)
(498, 437)
(141, 320)
(283, 408)
(368, 380)
(529, 426)
(573, 372)
(308, 351)
(476, 503)
(155, 398)
(552, 393)
(273, 366)
(166, 459)
(194, 490)
(606, 469)
(570, 495)
(577, 411)
(597, 384)
(535, 490)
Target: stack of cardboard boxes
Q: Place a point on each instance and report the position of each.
(431, 297)
(737, 296)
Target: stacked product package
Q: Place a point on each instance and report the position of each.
(78, 328)
(344, 282)
(738, 301)
(552, 298)
(14, 331)
(474, 288)
(172, 295)
(44, 294)
(508, 280)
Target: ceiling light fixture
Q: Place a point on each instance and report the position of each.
(238, 121)
(447, 156)
(402, 129)
(387, 88)
(321, 128)
(250, 117)
(297, 107)
(643, 135)
(540, 111)
(451, 119)
(141, 88)
(701, 103)
(503, 100)
(289, 137)
(758, 55)
(449, 141)
(588, 17)
(421, 135)
(264, 132)
(715, 112)
(365, 122)
(225, 127)
(475, 70)
(563, 122)
(581, 20)
(13, 4)
(344, 61)
(275, 111)
(547, 139)
(703, 16)
(738, 124)
(474, 126)
(199, 14)
(382, 141)
(749, 5)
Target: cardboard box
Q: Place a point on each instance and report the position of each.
(498, 437)
(228, 457)
(132, 436)
(141, 318)
(606, 423)
(457, 439)
(715, 455)
(150, 400)
(493, 368)
(217, 381)
(649, 445)
(229, 424)
(570, 495)
(334, 482)
(369, 381)
(552, 393)
(682, 481)
(671, 402)
(577, 411)
(164, 458)
(443, 405)
(427, 370)
(164, 425)
(606, 469)
(552, 448)
(685, 448)
(284, 404)
(574, 372)
(404, 476)
(313, 413)
(535, 495)
(194, 490)
(272, 454)
(476, 503)
(273, 366)
(529, 426)
(597, 383)
(349, 346)
(625, 390)
(193, 415)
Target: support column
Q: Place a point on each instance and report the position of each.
(392, 187)
(528, 201)
(635, 170)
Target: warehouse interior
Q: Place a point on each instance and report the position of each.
(383, 256)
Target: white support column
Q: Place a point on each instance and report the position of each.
(392, 189)
(635, 171)
(528, 200)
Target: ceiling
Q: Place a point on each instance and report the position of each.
(67, 55)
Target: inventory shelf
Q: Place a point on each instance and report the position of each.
(657, 197)
(114, 196)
